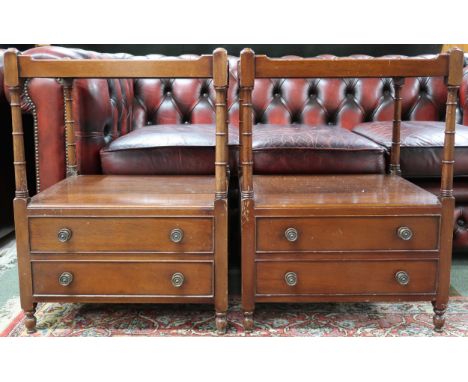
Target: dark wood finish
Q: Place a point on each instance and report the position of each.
(21, 200)
(266, 67)
(395, 151)
(194, 194)
(122, 238)
(246, 78)
(446, 188)
(347, 233)
(72, 168)
(126, 278)
(201, 67)
(340, 278)
(108, 234)
(221, 82)
(351, 237)
(338, 191)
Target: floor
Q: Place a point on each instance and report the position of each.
(9, 291)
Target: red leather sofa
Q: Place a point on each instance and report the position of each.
(315, 126)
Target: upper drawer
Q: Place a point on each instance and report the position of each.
(86, 234)
(349, 233)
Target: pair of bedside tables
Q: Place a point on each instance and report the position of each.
(109, 239)
(305, 238)
(330, 238)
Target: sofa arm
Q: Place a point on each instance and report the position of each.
(464, 93)
(94, 113)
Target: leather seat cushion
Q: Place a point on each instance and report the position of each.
(180, 149)
(303, 149)
(460, 187)
(421, 146)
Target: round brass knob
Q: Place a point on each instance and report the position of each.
(402, 278)
(64, 235)
(177, 279)
(290, 278)
(65, 278)
(177, 235)
(405, 233)
(291, 234)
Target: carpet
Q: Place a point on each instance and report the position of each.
(281, 320)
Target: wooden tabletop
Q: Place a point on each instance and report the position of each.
(303, 191)
(114, 191)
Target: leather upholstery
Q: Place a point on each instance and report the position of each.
(421, 146)
(166, 150)
(460, 192)
(345, 102)
(104, 110)
(301, 149)
(107, 109)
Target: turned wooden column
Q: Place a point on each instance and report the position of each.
(72, 168)
(247, 75)
(446, 188)
(221, 81)
(395, 152)
(21, 194)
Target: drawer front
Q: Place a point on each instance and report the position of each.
(348, 233)
(346, 278)
(122, 278)
(121, 234)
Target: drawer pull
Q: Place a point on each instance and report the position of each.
(402, 278)
(64, 235)
(177, 280)
(65, 278)
(290, 278)
(291, 234)
(405, 233)
(177, 235)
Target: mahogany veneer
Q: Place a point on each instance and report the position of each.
(122, 238)
(345, 237)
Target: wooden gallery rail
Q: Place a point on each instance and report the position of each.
(346, 237)
(95, 238)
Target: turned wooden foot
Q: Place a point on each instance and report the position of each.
(439, 316)
(248, 321)
(30, 321)
(221, 323)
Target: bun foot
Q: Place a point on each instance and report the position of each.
(248, 321)
(221, 323)
(439, 317)
(30, 322)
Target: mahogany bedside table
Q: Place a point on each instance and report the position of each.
(329, 238)
(97, 238)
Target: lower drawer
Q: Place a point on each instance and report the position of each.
(346, 278)
(122, 278)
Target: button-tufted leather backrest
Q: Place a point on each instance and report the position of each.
(104, 110)
(345, 101)
(178, 101)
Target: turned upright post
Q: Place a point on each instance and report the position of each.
(395, 151)
(72, 168)
(221, 82)
(247, 75)
(22, 194)
(454, 78)
(13, 84)
(247, 67)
